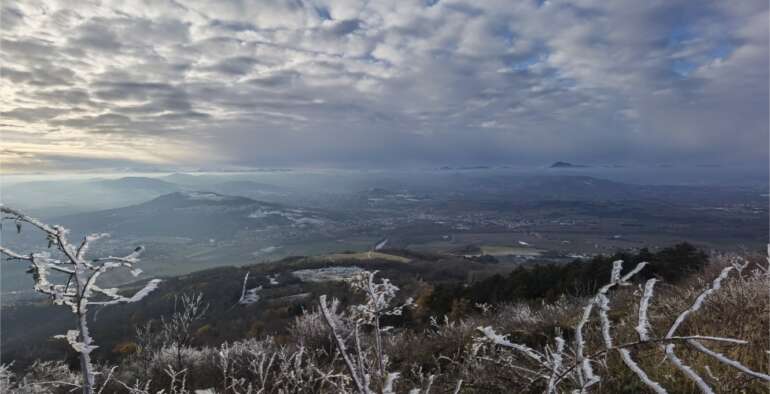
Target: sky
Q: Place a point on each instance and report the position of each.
(92, 85)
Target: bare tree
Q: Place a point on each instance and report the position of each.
(78, 288)
(177, 330)
(148, 343)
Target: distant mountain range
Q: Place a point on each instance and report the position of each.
(60, 197)
(564, 164)
(134, 184)
(248, 189)
(199, 215)
(56, 198)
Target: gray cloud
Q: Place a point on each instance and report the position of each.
(31, 115)
(41, 76)
(392, 83)
(63, 96)
(239, 65)
(10, 16)
(345, 27)
(97, 35)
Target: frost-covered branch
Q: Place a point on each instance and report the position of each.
(502, 340)
(716, 284)
(548, 365)
(698, 303)
(727, 361)
(329, 316)
(644, 305)
(177, 330)
(586, 376)
(80, 285)
(378, 302)
(118, 299)
(379, 298)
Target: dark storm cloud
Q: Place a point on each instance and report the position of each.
(390, 83)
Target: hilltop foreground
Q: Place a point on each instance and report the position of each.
(329, 324)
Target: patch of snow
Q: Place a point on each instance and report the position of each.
(204, 196)
(295, 216)
(262, 213)
(328, 274)
(294, 297)
(249, 296)
(381, 244)
(306, 220)
(266, 250)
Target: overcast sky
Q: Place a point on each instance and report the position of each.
(99, 85)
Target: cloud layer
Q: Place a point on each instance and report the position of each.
(380, 83)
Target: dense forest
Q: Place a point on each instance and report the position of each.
(577, 279)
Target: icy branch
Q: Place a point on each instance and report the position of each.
(80, 276)
(86, 243)
(581, 370)
(644, 306)
(502, 340)
(138, 296)
(669, 349)
(557, 360)
(330, 320)
(727, 361)
(14, 255)
(689, 372)
(131, 258)
(586, 374)
(625, 354)
(19, 217)
(715, 285)
(72, 338)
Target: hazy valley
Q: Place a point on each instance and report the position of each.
(191, 222)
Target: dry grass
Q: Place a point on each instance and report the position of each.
(360, 257)
(449, 350)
